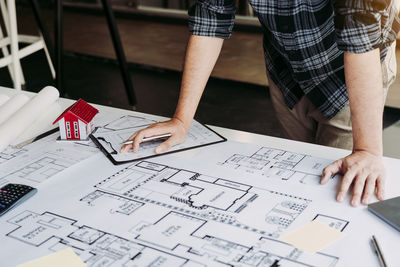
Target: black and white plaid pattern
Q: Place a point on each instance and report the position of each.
(304, 41)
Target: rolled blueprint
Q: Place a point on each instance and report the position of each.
(11, 106)
(26, 116)
(3, 99)
(41, 124)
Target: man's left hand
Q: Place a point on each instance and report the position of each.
(362, 169)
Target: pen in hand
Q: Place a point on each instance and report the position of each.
(147, 139)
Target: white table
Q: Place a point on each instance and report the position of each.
(392, 165)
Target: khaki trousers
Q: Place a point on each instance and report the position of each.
(307, 124)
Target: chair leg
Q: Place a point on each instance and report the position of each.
(44, 34)
(58, 44)
(48, 57)
(4, 13)
(6, 18)
(14, 43)
(120, 52)
(6, 53)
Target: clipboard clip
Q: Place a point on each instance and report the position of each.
(113, 151)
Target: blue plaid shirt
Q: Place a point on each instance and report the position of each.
(304, 41)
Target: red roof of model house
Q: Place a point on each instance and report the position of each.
(80, 109)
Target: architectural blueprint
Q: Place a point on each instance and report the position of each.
(267, 163)
(227, 206)
(37, 162)
(10, 153)
(173, 217)
(128, 121)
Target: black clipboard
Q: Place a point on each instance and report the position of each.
(115, 162)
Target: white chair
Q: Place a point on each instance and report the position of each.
(12, 39)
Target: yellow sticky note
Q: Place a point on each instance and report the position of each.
(62, 258)
(312, 237)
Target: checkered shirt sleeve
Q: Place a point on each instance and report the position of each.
(214, 18)
(364, 25)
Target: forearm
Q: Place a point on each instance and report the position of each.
(363, 168)
(201, 56)
(364, 86)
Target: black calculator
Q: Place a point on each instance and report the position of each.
(12, 195)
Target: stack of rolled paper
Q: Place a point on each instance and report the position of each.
(20, 112)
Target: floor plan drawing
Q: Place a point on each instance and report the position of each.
(336, 223)
(229, 204)
(42, 168)
(113, 202)
(166, 216)
(128, 121)
(276, 163)
(10, 153)
(95, 247)
(36, 162)
(207, 197)
(174, 240)
(36, 165)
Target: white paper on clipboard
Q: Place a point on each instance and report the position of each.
(110, 142)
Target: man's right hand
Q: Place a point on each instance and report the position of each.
(175, 127)
(201, 54)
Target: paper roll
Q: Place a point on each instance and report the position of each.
(42, 123)
(11, 106)
(25, 116)
(3, 99)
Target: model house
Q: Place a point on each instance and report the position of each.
(76, 122)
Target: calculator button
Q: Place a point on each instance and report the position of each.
(12, 194)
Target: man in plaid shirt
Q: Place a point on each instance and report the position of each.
(329, 65)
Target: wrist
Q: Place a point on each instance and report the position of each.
(376, 151)
(368, 141)
(184, 123)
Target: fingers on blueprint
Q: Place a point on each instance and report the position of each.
(364, 171)
(172, 126)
